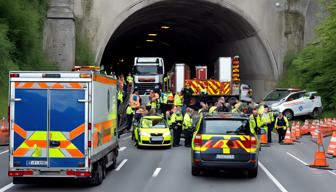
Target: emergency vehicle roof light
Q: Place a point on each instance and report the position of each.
(14, 75)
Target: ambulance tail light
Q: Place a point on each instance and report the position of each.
(198, 140)
(14, 75)
(78, 173)
(20, 173)
(253, 142)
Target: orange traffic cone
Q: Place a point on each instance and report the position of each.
(320, 160)
(314, 132)
(332, 144)
(288, 139)
(297, 131)
(263, 139)
(4, 133)
(313, 126)
(293, 132)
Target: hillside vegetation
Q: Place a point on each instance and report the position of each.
(314, 68)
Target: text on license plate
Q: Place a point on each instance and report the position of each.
(156, 138)
(225, 157)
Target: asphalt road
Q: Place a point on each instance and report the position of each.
(282, 168)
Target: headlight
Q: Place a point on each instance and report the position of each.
(157, 87)
(145, 134)
(166, 133)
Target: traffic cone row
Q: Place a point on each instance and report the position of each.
(4, 133)
(288, 138)
(293, 136)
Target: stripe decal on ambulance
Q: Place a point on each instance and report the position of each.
(41, 85)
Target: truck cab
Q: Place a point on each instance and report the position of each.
(148, 74)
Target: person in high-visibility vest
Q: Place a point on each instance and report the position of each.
(120, 97)
(265, 120)
(255, 122)
(134, 100)
(213, 109)
(281, 125)
(271, 124)
(129, 114)
(152, 104)
(178, 100)
(188, 127)
(176, 120)
(129, 78)
(204, 108)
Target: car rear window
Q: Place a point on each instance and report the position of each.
(227, 127)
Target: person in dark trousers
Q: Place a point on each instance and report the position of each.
(187, 93)
(188, 127)
(176, 120)
(129, 114)
(271, 125)
(281, 125)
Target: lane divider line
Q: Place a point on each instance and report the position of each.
(156, 172)
(296, 158)
(275, 181)
(304, 163)
(5, 188)
(122, 149)
(4, 152)
(120, 165)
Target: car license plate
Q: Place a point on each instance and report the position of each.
(37, 163)
(225, 157)
(156, 138)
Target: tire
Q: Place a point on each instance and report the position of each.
(252, 173)
(289, 114)
(315, 113)
(195, 171)
(97, 174)
(114, 164)
(104, 167)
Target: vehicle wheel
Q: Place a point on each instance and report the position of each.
(104, 168)
(252, 173)
(289, 114)
(97, 174)
(195, 171)
(114, 164)
(315, 113)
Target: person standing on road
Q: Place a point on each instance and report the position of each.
(255, 121)
(129, 114)
(176, 120)
(187, 127)
(187, 93)
(281, 125)
(178, 100)
(271, 125)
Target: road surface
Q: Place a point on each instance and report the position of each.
(282, 168)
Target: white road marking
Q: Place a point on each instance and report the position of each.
(5, 188)
(305, 162)
(4, 152)
(156, 172)
(275, 181)
(122, 149)
(120, 166)
(297, 158)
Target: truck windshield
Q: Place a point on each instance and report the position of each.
(146, 70)
(276, 95)
(227, 127)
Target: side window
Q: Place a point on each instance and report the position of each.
(295, 96)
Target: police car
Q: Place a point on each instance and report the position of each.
(153, 131)
(224, 141)
(298, 104)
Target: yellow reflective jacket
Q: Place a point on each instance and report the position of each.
(187, 122)
(177, 100)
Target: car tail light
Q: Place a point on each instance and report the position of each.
(13, 75)
(19, 173)
(84, 75)
(198, 140)
(89, 144)
(253, 142)
(78, 173)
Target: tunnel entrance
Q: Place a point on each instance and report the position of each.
(191, 32)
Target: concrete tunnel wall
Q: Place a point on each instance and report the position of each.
(265, 49)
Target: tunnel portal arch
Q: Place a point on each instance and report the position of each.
(199, 32)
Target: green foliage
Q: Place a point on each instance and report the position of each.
(314, 68)
(21, 26)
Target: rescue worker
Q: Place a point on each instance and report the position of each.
(281, 125)
(129, 114)
(137, 116)
(176, 120)
(164, 102)
(187, 127)
(178, 99)
(271, 125)
(255, 121)
(187, 93)
(213, 108)
(170, 96)
(152, 104)
(265, 120)
(120, 97)
(204, 108)
(204, 95)
(134, 100)
(129, 79)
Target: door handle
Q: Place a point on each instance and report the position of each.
(16, 99)
(83, 101)
(54, 143)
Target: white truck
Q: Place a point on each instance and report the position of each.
(62, 124)
(148, 74)
(297, 103)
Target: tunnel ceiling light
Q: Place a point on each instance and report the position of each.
(150, 40)
(165, 27)
(153, 34)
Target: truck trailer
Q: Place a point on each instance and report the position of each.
(62, 124)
